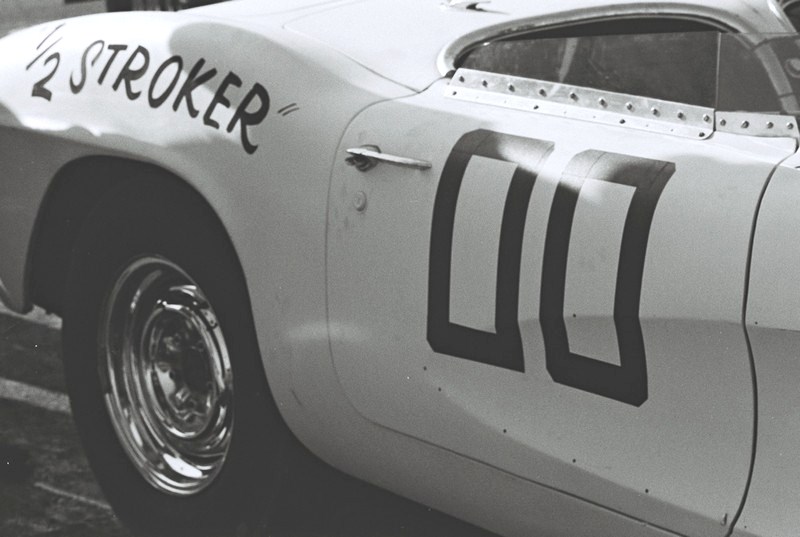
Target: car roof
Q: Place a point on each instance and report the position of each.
(413, 42)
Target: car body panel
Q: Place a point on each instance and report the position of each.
(282, 185)
(634, 459)
(339, 294)
(773, 324)
(169, 134)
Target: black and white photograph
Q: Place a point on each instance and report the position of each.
(399, 268)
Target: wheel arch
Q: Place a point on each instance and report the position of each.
(78, 188)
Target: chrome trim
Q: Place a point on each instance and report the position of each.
(582, 103)
(167, 376)
(374, 155)
(450, 54)
(758, 124)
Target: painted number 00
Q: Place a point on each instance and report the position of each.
(626, 382)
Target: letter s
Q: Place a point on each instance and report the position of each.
(76, 87)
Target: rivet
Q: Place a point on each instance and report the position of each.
(745, 124)
(723, 122)
(542, 92)
(360, 201)
(655, 111)
(681, 115)
(790, 126)
(706, 118)
(629, 106)
(573, 95)
(511, 88)
(602, 102)
(461, 79)
(484, 83)
(770, 124)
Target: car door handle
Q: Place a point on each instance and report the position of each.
(366, 157)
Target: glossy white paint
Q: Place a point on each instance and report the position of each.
(773, 323)
(496, 437)
(594, 252)
(473, 285)
(272, 202)
(680, 461)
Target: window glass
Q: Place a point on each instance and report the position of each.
(670, 65)
(743, 82)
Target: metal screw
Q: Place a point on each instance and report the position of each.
(622, 121)
(360, 201)
(629, 106)
(461, 79)
(602, 102)
(681, 115)
(655, 111)
(723, 122)
(573, 95)
(542, 92)
(745, 124)
(511, 88)
(790, 126)
(770, 124)
(706, 118)
(484, 83)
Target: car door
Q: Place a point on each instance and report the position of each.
(559, 295)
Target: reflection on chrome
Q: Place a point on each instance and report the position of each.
(169, 384)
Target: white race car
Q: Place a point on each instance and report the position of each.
(532, 263)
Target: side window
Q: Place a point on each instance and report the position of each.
(673, 60)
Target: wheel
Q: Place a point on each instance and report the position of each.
(163, 371)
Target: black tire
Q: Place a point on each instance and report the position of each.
(161, 217)
(118, 5)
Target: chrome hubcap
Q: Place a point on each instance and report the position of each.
(167, 376)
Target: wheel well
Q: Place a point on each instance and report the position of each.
(74, 192)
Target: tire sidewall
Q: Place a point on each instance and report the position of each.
(143, 220)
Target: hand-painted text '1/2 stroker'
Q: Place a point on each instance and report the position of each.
(163, 86)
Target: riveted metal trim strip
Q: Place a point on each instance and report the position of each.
(757, 124)
(582, 103)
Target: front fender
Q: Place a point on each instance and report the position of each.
(250, 118)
